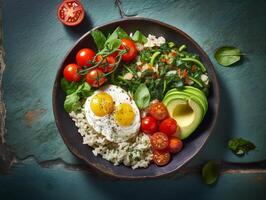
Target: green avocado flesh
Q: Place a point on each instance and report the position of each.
(188, 107)
(186, 94)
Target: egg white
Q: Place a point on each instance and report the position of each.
(107, 125)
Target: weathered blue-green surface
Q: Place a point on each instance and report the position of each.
(35, 44)
(29, 181)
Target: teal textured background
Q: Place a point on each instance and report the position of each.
(35, 43)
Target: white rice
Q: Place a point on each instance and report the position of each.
(135, 153)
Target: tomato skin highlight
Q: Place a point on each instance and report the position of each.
(71, 73)
(104, 67)
(131, 48)
(84, 56)
(70, 12)
(169, 126)
(159, 141)
(175, 145)
(149, 125)
(161, 158)
(158, 110)
(93, 75)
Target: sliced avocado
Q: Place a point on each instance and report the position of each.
(184, 95)
(198, 92)
(187, 113)
(199, 95)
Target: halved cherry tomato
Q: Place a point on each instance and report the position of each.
(159, 141)
(95, 78)
(70, 12)
(149, 125)
(158, 110)
(161, 157)
(175, 145)
(169, 126)
(107, 64)
(131, 48)
(84, 56)
(71, 73)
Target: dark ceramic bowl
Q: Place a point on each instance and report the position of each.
(192, 145)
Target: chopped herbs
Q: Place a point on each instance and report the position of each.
(162, 68)
(240, 146)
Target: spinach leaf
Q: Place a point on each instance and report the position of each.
(68, 87)
(227, 55)
(240, 146)
(99, 39)
(210, 172)
(142, 96)
(118, 33)
(84, 90)
(73, 99)
(72, 102)
(113, 44)
(139, 37)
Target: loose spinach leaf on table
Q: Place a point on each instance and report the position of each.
(210, 172)
(139, 37)
(142, 96)
(99, 39)
(227, 55)
(240, 146)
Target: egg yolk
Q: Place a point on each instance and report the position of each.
(124, 114)
(102, 104)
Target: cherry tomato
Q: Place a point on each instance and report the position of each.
(175, 145)
(84, 56)
(71, 73)
(161, 157)
(131, 48)
(158, 111)
(95, 78)
(148, 125)
(70, 12)
(106, 67)
(159, 141)
(169, 126)
(114, 54)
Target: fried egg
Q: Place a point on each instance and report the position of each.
(112, 112)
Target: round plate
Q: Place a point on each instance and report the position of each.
(192, 145)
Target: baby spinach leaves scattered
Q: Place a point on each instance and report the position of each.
(99, 39)
(72, 101)
(118, 33)
(113, 44)
(68, 87)
(139, 37)
(142, 96)
(210, 172)
(240, 146)
(227, 55)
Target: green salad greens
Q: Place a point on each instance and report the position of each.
(154, 71)
(161, 69)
